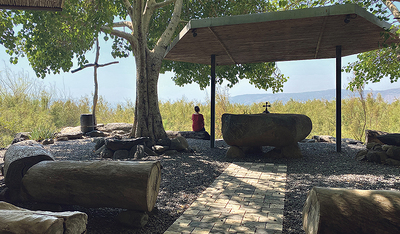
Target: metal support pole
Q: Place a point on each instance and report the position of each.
(212, 124)
(338, 98)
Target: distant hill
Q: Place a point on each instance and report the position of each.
(388, 95)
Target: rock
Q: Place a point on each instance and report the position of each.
(133, 219)
(99, 143)
(126, 144)
(361, 155)
(371, 136)
(5, 194)
(179, 143)
(390, 139)
(291, 151)
(170, 152)
(139, 152)
(121, 154)
(70, 132)
(377, 147)
(394, 152)
(132, 152)
(375, 156)
(149, 151)
(189, 134)
(110, 127)
(21, 136)
(386, 147)
(383, 156)
(96, 133)
(372, 145)
(325, 138)
(70, 136)
(104, 152)
(164, 142)
(119, 133)
(160, 148)
(351, 141)
(62, 138)
(308, 141)
(392, 162)
(47, 142)
(235, 152)
(252, 150)
(46, 206)
(29, 143)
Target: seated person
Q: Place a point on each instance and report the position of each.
(198, 120)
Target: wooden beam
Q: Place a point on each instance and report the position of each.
(48, 5)
(222, 44)
(320, 37)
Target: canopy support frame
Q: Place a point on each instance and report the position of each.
(212, 124)
(338, 98)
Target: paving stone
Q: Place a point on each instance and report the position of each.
(246, 198)
(202, 225)
(200, 231)
(220, 228)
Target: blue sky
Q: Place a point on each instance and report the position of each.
(117, 82)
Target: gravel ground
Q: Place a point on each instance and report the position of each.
(186, 175)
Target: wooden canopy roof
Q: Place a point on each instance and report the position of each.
(279, 36)
(49, 5)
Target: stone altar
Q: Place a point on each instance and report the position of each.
(249, 132)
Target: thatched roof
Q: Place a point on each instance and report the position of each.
(49, 5)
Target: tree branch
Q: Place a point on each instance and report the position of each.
(167, 35)
(106, 64)
(123, 24)
(93, 65)
(393, 9)
(84, 66)
(129, 8)
(129, 37)
(163, 4)
(151, 6)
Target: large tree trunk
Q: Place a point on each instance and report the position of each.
(17, 220)
(350, 211)
(148, 121)
(132, 185)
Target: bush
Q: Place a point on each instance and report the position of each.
(28, 106)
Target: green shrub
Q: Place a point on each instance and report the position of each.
(26, 105)
(41, 133)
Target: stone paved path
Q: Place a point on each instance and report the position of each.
(245, 198)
